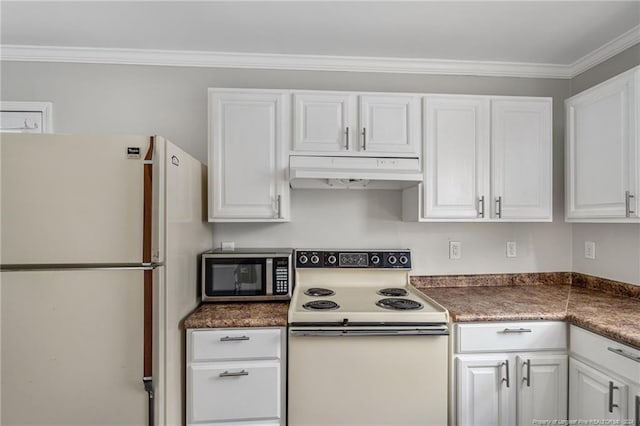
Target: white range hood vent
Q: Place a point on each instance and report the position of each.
(353, 172)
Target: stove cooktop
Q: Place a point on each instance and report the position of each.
(363, 304)
(359, 287)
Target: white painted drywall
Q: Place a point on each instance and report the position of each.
(617, 251)
(120, 99)
(617, 245)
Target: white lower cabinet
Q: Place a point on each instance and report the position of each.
(483, 397)
(634, 404)
(236, 377)
(595, 395)
(541, 387)
(604, 380)
(521, 379)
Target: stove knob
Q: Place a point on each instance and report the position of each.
(375, 259)
(404, 259)
(331, 259)
(315, 259)
(392, 259)
(303, 259)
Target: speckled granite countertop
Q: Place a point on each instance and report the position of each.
(223, 315)
(616, 316)
(614, 313)
(502, 303)
(613, 316)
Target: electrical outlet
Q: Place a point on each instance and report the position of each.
(512, 249)
(455, 250)
(589, 250)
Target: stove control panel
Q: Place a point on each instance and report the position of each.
(370, 259)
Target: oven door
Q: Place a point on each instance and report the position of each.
(236, 278)
(373, 376)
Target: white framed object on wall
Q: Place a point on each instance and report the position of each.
(26, 117)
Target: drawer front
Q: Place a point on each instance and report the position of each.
(620, 359)
(235, 344)
(235, 391)
(511, 336)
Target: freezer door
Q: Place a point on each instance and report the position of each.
(71, 348)
(183, 233)
(71, 199)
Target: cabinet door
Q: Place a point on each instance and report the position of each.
(483, 394)
(601, 150)
(456, 157)
(634, 406)
(322, 122)
(389, 124)
(521, 140)
(595, 395)
(542, 388)
(247, 162)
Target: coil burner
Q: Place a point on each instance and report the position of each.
(321, 305)
(393, 292)
(319, 292)
(399, 304)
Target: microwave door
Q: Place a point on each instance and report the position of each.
(236, 278)
(245, 277)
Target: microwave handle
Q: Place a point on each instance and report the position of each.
(269, 280)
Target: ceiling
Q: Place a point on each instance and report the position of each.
(560, 33)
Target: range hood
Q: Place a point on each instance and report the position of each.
(353, 172)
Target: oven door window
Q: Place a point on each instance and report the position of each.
(236, 277)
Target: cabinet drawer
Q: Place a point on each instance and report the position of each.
(595, 348)
(235, 344)
(234, 391)
(511, 336)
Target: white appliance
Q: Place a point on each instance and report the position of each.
(353, 172)
(100, 237)
(365, 347)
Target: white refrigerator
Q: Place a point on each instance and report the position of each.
(100, 239)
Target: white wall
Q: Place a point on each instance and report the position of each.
(372, 219)
(171, 101)
(617, 245)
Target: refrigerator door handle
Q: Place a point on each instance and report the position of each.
(144, 266)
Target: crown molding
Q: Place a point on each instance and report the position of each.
(180, 58)
(278, 61)
(605, 51)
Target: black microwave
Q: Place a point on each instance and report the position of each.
(247, 275)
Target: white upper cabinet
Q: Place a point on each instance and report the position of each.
(521, 142)
(602, 156)
(456, 156)
(485, 159)
(248, 140)
(323, 122)
(356, 124)
(389, 124)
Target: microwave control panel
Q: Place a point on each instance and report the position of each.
(281, 275)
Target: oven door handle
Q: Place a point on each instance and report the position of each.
(439, 331)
